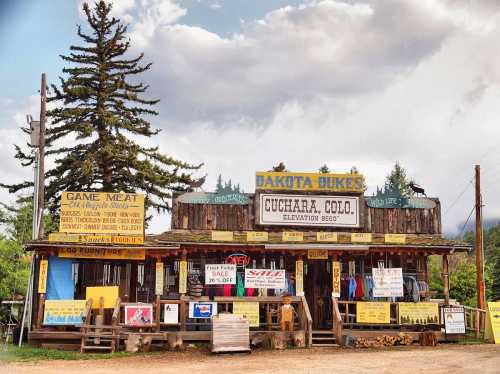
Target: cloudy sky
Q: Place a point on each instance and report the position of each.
(246, 84)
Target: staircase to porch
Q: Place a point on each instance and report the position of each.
(324, 338)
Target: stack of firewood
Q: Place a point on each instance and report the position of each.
(384, 341)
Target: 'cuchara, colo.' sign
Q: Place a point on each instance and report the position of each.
(307, 210)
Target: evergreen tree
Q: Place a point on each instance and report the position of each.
(324, 169)
(398, 180)
(92, 134)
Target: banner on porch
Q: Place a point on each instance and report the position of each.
(265, 278)
(182, 276)
(492, 328)
(42, 276)
(248, 310)
(299, 278)
(454, 320)
(220, 274)
(63, 312)
(335, 279)
(171, 313)
(138, 314)
(418, 313)
(373, 312)
(387, 282)
(159, 278)
(202, 309)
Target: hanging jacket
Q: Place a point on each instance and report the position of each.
(359, 287)
(352, 288)
(240, 288)
(227, 290)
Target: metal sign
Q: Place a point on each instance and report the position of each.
(232, 198)
(307, 210)
(391, 197)
(284, 181)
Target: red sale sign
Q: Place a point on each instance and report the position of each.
(265, 278)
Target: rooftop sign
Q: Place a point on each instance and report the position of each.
(284, 181)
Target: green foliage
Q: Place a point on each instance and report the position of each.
(99, 115)
(227, 187)
(14, 269)
(397, 179)
(26, 353)
(324, 169)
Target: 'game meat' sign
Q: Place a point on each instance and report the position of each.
(306, 210)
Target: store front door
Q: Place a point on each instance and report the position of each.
(318, 289)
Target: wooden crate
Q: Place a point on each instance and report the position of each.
(230, 333)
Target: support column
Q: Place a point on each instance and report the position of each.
(446, 280)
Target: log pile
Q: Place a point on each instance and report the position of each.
(384, 341)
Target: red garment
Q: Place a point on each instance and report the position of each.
(249, 291)
(227, 290)
(359, 288)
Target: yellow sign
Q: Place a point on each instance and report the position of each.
(373, 312)
(299, 278)
(102, 213)
(395, 238)
(317, 254)
(62, 237)
(361, 237)
(103, 253)
(335, 279)
(285, 181)
(222, 236)
(182, 277)
(292, 236)
(418, 313)
(63, 312)
(110, 294)
(257, 236)
(326, 236)
(42, 276)
(492, 328)
(248, 310)
(159, 279)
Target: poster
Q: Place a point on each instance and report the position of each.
(103, 253)
(182, 276)
(202, 309)
(308, 210)
(265, 278)
(159, 278)
(42, 276)
(220, 274)
(299, 278)
(492, 328)
(387, 282)
(418, 313)
(335, 279)
(454, 320)
(63, 312)
(373, 312)
(138, 314)
(248, 310)
(171, 313)
(110, 294)
(102, 213)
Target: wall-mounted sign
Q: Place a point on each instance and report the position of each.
(308, 210)
(138, 315)
(222, 236)
(454, 320)
(63, 312)
(373, 312)
(418, 313)
(248, 310)
(257, 236)
(102, 213)
(62, 237)
(220, 274)
(239, 259)
(109, 295)
(317, 254)
(326, 236)
(182, 277)
(292, 236)
(232, 198)
(395, 238)
(159, 278)
(171, 313)
(299, 278)
(387, 282)
(285, 181)
(361, 237)
(388, 197)
(335, 279)
(265, 278)
(42, 276)
(103, 253)
(202, 309)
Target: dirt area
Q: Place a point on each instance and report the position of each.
(484, 359)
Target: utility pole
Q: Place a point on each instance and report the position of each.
(41, 158)
(479, 242)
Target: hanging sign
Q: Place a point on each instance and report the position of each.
(292, 236)
(308, 210)
(63, 312)
(418, 313)
(257, 236)
(159, 278)
(202, 309)
(336, 279)
(42, 276)
(62, 237)
(395, 238)
(222, 236)
(317, 254)
(326, 236)
(373, 312)
(265, 278)
(492, 328)
(103, 253)
(182, 277)
(299, 278)
(138, 314)
(248, 310)
(171, 313)
(239, 259)
(102, 213)
(454, 320)
(387, 282)
(109, 294)
(285, 181)
(220, 274)
(232, 198)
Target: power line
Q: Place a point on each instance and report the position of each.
(466, 221)
(458, 197)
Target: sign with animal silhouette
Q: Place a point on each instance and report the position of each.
(418, 313)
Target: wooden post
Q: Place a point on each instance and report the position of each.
(446, 281)
(157, 313)
(41, 161)
(479, 242)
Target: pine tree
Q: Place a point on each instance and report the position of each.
(397, 180)
(92, 134)
(324, 169)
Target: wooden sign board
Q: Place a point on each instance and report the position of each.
(257, 236)
(61, 237)
(222, 236)
(395, 238)
(292, 236)
(361, 237)
(103, 253)
(317, 254)
(326, 236)
(110, 294)
(42, 276)
(373, 312)
(299, 278)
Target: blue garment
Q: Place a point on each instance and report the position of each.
(60, 284)
(369, 284)
(352, 288)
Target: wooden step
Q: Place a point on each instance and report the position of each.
(325, 345)
(97, 347)
(323, 338)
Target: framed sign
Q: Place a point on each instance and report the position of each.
(138, 314)
(171, 313)
(220, 274)
(202, 309)
(454, 320)
(265, 278)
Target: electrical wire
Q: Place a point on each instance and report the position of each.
(466, 221)
(458, 197)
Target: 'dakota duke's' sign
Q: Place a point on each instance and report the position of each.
(285, 181)
(306, 210)
(265, 278)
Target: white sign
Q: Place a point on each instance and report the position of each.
(171, 313)
(265, 278)
(454, 320)
(307, 210)
(387, 282)
(220, 274)
(202, 309)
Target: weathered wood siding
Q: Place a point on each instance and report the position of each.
(242, 217)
